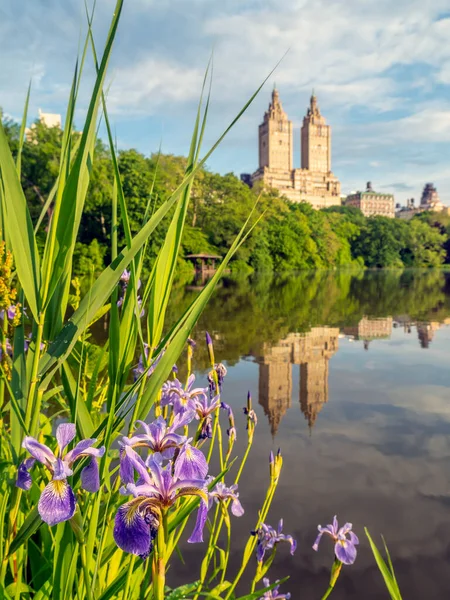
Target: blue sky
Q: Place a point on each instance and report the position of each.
(380, 69)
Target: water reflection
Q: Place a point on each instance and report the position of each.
(311, 351)
(363, 418)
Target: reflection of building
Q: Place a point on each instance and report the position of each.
(425, 332)
(311, 351)
(314, 182)
(370, 329)
(371, 203)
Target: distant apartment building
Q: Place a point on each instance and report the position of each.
(48, 119)
(372, 203)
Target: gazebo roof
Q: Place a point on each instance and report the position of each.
(202, 256)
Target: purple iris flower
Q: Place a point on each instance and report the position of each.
(182, 399)
(125, 277)
(160, 437)
(141, 369)
(273, 594)
(57, 502)
(10, 312)
(221, 492)
(345, 548)
(221, 372)
(204, 408)
(251, 415)
(137, 521)
(231, 431)
(268, 537)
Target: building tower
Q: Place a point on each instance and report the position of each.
(275, 137)
(315, 140)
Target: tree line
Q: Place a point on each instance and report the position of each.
(287, 236)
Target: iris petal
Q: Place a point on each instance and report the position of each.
(57, 502)
(39, 451)
(191, 464)
(90, 478)
(80, 448)
(236, 508)
(346, 552)
(202, 514)
(24, 480)
(65, 434)
(134, 533)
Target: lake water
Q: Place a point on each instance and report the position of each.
(350, 377)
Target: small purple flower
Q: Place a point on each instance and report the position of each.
(27, 342)
(344, 549)
(158, 437)
(182, 399)
(268, 537)
(157, 489)
(11, 312)
(141, 368)
(221, 492)
(205, 406)
(251, 416)
(231, 431)
(220, 371)
(57, 502)
(8, 347)
(125, 277)
(273, 594)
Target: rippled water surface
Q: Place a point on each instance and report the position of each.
(350, 375)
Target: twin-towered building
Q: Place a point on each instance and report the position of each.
(314, 182)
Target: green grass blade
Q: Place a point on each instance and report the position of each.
(183, 329)
(386, 572)
(22, 132)
(162, 275)
(75, 189)
(20, 228)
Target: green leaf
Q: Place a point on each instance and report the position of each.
(20, 228)
(386, 571)
(30, 526)
(68, 210)
(181, 592)
(179, 335)
(257, 594)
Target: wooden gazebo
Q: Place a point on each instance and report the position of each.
(203, 263)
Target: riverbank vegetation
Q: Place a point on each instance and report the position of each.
(288, 237)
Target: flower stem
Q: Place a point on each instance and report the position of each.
(159, 564)
(328, 592)
(87, 583)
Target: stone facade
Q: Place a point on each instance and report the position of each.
(371, 203)
(313, 182)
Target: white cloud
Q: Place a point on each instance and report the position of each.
(150, 84)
